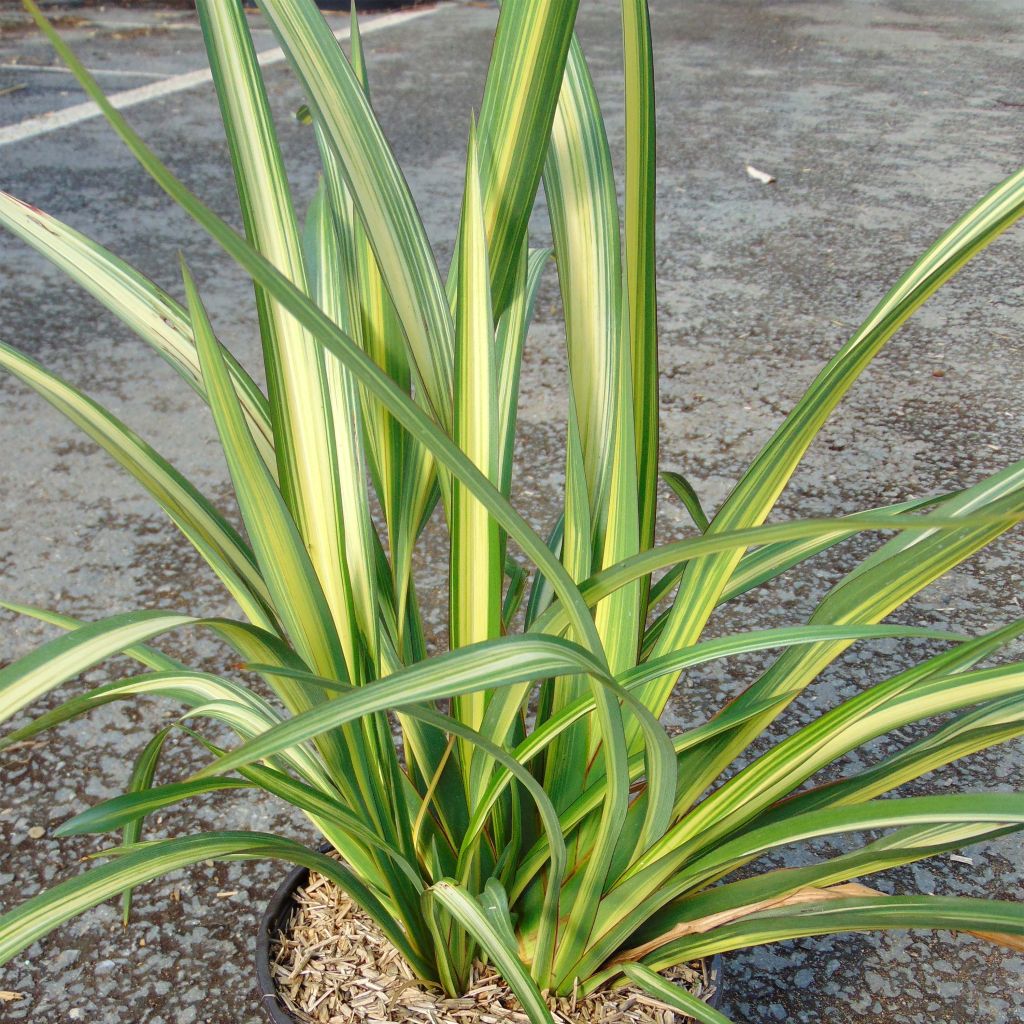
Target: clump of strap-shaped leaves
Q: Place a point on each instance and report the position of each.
(516, 797)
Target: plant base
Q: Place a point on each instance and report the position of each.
(325, 962)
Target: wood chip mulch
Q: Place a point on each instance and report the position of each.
(332, 965)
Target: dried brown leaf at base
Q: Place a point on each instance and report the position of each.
(806, 894)
(332, 965)
(700, 925)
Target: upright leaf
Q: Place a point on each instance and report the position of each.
(601, 522)
(476, 570)
(520, 95)
(379, 192)
(641, 265)
(296, 373)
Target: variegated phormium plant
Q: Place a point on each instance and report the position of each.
(515, 798)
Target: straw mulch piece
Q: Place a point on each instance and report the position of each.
(332, 965)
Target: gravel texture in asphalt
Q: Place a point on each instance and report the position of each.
(881, 121)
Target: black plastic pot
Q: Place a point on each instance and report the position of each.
(275, 917)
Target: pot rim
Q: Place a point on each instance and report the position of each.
(280, 905)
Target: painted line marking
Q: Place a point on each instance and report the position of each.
(95, 72)
(57, 119)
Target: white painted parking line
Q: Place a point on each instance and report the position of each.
(56, 119)
(95, 72)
